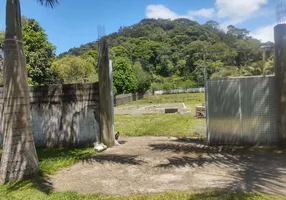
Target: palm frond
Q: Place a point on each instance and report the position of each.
(48, 3)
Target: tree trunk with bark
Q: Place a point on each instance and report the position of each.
(106, 100)
(19, 157)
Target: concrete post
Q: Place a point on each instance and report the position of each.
(280, 74)
(106, 103)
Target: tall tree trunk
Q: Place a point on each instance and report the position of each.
(19, 157)
(106, 101)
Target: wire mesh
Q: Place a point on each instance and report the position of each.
(281, 13)
(242, 111)
(100, 31)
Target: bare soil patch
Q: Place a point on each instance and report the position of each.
(160, 164)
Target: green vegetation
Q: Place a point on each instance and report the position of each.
(42, 65)
(40, 53)
(33, 190)
(124, 79)
(74, 69)
(2, 36)
(161, 124)
(160, 54)
(189, 99)
(174, 54)
(143, 78)
(52, 160)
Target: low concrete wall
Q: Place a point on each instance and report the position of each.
(63, 115)
(127, 98)
(179, 91)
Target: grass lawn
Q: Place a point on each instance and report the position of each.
(190, 99)
(31, 191)
(52, 160)
(162, 124)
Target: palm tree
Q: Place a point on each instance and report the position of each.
(19, 157)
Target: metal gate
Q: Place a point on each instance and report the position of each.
(242, 111)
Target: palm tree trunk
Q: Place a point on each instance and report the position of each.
(19, 157)
(105, 96)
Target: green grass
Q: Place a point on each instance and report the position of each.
(29, 190)
(160, 125)
(164, 124)
(190, 99)
(52, 160)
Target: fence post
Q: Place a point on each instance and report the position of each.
(280, 75)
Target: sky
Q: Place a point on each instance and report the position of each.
(75, 22)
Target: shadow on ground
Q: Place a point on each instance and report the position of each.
(40, 183)
(114, 158)
(254, 170)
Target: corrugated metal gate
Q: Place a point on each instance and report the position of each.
(242, 111)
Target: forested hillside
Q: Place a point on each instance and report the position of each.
(172, 53)
(161, 54)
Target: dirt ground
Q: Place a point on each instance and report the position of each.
(160, 164)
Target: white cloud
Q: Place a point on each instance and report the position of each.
(161, 11)
(238, 8)
(228, 11)
(204, 12)
(264, 33)
(237, 11)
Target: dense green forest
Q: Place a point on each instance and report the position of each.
(173, 54)
(156, 54)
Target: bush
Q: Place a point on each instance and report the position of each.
(124, 79)
(74, 69)
(143, 78)
(173, 83)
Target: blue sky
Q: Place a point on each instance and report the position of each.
(75, 22)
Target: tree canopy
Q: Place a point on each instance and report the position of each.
(74, 69)
(177, 51)
(40, 53)
(124, 79)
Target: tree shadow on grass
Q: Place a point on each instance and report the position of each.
(59, 153)
(252, 170)
(40, 183)
(51, 160)
(114, 158)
